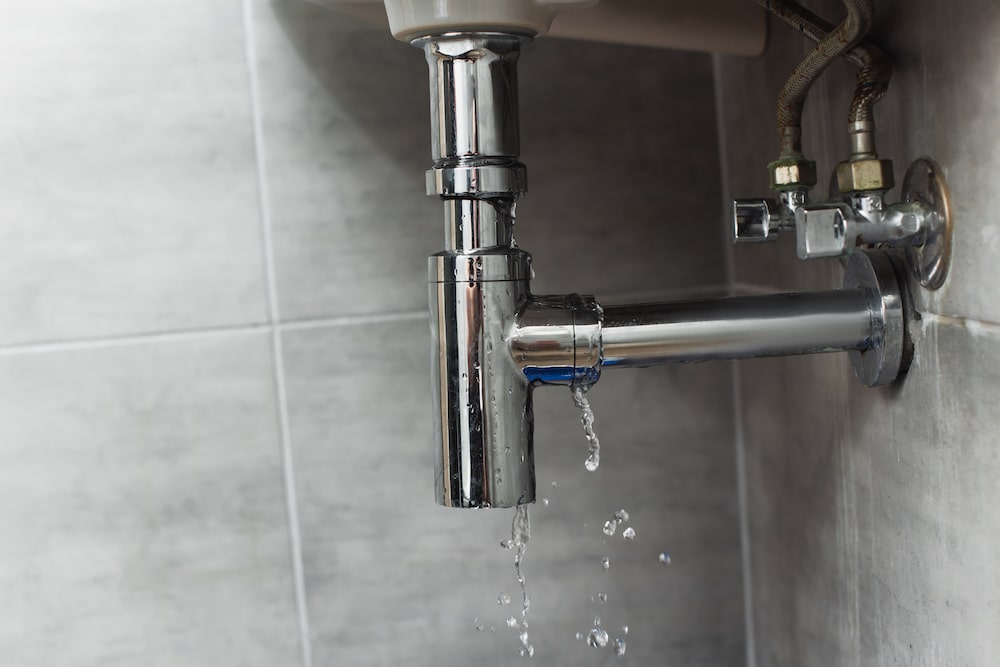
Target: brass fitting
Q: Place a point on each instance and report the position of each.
(862, 175)
(792, 174)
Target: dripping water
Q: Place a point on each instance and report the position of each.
(520, 532)
(587, 419)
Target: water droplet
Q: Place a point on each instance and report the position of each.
(610, 526)
(603, 597)
(605, 563)
(579, 635)
(597, 620)
(619, 647)
(554, 485)
(507, 544)
(506, 450)
(598, 638)
(503, 598)
(625, 629)
(587, 419)
(621, 515)
(511, 622)
(629, 533)
(665, 558)
(524, 637)
(479, 628)
(527, 651)
(545, 501)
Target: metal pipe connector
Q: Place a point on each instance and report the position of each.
(474, 125)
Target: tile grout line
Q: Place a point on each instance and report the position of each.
(743, 500)
(729, 262)
(352, 320)
(277, 349)
(739, 441)
(179, 335)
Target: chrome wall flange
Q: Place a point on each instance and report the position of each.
(888, 354)
(925, 183)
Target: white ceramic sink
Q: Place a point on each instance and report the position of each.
(723, 26)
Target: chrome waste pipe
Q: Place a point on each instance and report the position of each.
(736, 328)
(494, 342)
(482, 413)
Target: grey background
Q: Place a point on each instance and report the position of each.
(214, 419)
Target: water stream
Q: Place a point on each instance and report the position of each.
(587, 419)
(520, 533)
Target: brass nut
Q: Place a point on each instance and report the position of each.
(792, 174)
(864, 175)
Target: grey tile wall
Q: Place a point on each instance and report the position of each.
(870, 534)
(128, 182)
(142, 516)
(872, 538)
(623, 169)
(345, 119)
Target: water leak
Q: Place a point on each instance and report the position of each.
(587, 419)
(617, 519)
(520, 533)
(598, 637)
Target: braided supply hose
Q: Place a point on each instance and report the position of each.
(874, 73)
(832, 43)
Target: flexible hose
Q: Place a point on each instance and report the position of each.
(833, 44)
(875, 67)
